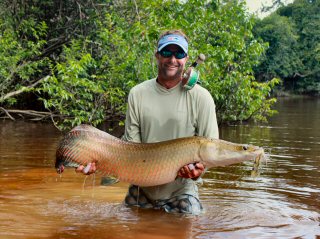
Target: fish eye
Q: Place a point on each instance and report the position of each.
(245, 147)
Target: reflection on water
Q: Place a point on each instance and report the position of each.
(283, 202)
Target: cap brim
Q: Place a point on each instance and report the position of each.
(172, 43)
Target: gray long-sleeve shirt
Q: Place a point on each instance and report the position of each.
(156, 114)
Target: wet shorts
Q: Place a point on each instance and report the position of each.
(184, 203)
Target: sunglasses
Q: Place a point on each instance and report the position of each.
(177, 54)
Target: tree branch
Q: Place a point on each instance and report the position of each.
(35, 115)
(7, 113)
(17, 92)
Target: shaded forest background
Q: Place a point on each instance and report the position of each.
(75, 61)
(293, 54)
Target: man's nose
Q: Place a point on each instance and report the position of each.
(172, 58)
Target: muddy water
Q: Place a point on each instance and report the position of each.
(283, 202)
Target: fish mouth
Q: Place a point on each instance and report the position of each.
(60, 165)
(60, 169)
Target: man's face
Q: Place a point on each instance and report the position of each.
(171, 68)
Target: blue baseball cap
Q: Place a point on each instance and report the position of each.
(175, 40)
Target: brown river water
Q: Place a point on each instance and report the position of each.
(282, 202)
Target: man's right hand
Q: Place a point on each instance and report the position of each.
(87, 170)
(193, 171)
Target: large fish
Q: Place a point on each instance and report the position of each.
(147, 164)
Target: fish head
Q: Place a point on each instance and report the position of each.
(215, 152)
(62, 162)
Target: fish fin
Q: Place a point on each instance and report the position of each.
(108, 180)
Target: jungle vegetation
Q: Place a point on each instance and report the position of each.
(74, 61)
(293, 55)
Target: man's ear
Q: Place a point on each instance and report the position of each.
(156, 54)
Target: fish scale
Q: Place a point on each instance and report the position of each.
(147, 164)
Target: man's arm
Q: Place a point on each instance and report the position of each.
(132, 130)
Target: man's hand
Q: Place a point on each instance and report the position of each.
(87, 170)
(193, 171)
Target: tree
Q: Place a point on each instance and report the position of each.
(305, 15)
(282, 56)
(112, 48)
(293, 34)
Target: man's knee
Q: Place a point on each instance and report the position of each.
(136, 197)
(187, 204)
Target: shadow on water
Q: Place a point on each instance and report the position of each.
(283, 202)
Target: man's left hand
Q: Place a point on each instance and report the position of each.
(193, 171)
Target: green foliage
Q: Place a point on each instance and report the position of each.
(293, 34)
(112, 49)
(18, 63)
(75, 92)
(281, 58)
(232, 53)
(223, 33)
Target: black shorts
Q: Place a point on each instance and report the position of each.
(183, 203)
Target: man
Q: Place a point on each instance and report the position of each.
(161, 109)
